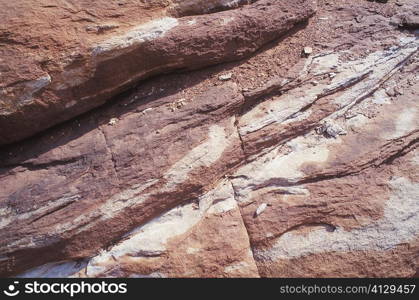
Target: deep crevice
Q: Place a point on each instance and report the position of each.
(235, 196)
(110, 153)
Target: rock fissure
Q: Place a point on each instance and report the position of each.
(248, 235)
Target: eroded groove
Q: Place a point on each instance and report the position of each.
(109, 149)
(64, 205)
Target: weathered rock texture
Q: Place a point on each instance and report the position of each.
(58, 88)
(280, 165)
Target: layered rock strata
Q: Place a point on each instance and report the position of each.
(53, 85)
(308, 172)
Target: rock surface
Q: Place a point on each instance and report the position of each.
(296, 165)
(67, 84)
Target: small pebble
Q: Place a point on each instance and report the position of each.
(260, 209)
(113, 121)
(225, 77)
(308, 50)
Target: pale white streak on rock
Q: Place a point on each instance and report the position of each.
(70, 104)
(380, 97)
(140, 34)
(261, 209)
(406, 122)
(398, 225)
(357, 78)
(192, 250)
(113, 47)
(278, 111)
(230, 3)
(278, 170)
(106, 211)
(355, 119)
(112, 207)
(151, 239)
(380, 66)
(203, 155)
(226, 21)
(8, 216)
(29, 88)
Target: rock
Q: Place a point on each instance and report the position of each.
(308, 234)
(112, 121)
(307, 51)
(406, 16)
(302, 174)
(391, 92)
(225, 77)
(183, 236)
(398, 90)
(330, 130)
(45, 82)
(261, 209)
(109, 178)
(410, 21)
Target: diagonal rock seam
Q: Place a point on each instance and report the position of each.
(110, 151)
(245, 225)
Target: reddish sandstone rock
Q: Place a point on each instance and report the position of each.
(281, 165)
(51, 77)
(99, 178)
